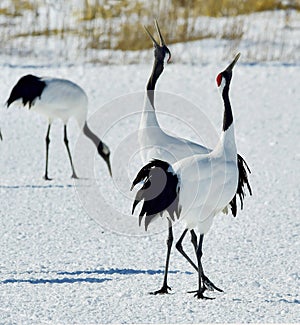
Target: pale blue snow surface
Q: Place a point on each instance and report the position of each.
(59, 266)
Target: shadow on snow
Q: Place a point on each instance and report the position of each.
(55, 281)
(83, 279)
(119, 271)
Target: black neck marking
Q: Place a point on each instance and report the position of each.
(28, 88)
(94, 138)
(158, 68)
(228, 117)
(102, 148)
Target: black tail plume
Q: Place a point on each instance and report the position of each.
(159, 193)
(243, 180)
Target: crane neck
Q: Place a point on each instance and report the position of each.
(158, 68)
(149, 118)
(91, 135)
(227, 143)
(228, 117)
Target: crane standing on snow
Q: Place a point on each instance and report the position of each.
(157, 144)
(58, 98)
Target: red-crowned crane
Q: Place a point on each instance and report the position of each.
(157, 144)
(58, 98)
(195, 188)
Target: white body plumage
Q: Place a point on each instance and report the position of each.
(207, 183)
(157, 144)
(62, 99)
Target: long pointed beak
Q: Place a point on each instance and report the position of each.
(162, 41)
(232, 64)
(108, 166)
(153, 39)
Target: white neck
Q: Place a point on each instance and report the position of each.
(148, 118)
(227, 145)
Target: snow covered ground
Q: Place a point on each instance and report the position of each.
(71, 252)
(58, 265)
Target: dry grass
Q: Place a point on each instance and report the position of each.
(45, 32)
(117, 24)
(181, 20)
(17, 8)
(180, 15)
(220, 8)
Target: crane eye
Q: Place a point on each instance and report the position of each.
(219, 79)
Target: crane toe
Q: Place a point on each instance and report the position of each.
(199, 294)
(209, 285)
(74, 176)
(164, 290)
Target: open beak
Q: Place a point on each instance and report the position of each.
(161, 39)
(153, 39)
(232, 64)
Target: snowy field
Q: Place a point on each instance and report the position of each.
(68, 259)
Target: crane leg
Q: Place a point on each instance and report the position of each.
(182, 252)
(47, 153)
(69, 153)
(198, 251)
(206, 283)
(164, 289)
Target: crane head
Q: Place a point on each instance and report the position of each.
(104, 152)
(224, 77)
(160, 48)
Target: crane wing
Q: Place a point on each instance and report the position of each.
(242, 182)
(159, 193)
(28, 88)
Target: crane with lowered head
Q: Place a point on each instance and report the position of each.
(58, 98)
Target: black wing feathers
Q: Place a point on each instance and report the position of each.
(243, 180)
(28, 88)
(159, 193)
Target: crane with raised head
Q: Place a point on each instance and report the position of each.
(155, 143)
(195, 188)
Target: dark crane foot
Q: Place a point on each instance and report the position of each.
(209, 285)
(74, 176)
(46, 178)
(199, 294)
(164, 290)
